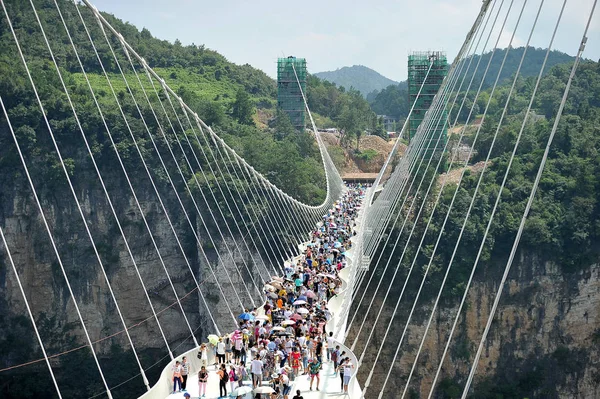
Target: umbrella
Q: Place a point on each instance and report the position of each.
(288, 323)
(239, 391)
(296, 317)
(302, 310)
(269, 287)
(299, 302)
(283, 334)
(277, 329)
(213, 339)
(302, 298)
(265, 389)
(311, 294)
(262, 317)
(276, 284)
(245, 316)
(273, 295)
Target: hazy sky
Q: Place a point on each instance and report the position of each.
(331, 34)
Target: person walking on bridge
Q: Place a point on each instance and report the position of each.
(185, 369)
(223, 378)
(202, 379)
(315, 368)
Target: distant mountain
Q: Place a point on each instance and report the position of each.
(360, 77)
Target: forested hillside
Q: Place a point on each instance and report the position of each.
(234, 99)
(393, 100)
(533, 349)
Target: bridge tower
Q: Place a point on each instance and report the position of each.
(418, 65)
(289, 96)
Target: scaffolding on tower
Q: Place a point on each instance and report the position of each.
(289, 95)
(418, 65)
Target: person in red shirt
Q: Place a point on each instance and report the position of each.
(296, 356)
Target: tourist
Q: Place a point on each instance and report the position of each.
(185, 368)
(319, 349)
(221, 351)
(335, 355)
(223, 378)
(348, 366)
(233, 377)
(330, 346)
(177, 377)
(298, 396)
(203, 355)
(285, 382)
(202, 380)
(314, 369)
(256, 368)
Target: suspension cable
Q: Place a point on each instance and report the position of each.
(529, 202)
(39, 205)
(134, 195)
(35, 329)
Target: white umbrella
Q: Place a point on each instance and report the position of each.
(269, 287)
(239, 391)
(265, 389)
(288, 322)
(262, 317)
(302, 310)
(299, 302)
(277, 329)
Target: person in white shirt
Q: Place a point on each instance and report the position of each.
(256, 368)
(347, 374)
(285, 381)
(330, 345)
(221, 351)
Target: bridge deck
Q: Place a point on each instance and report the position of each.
(330, 386)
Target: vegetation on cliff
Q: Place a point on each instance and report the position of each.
(563, 227)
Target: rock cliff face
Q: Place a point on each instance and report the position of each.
(49, 297)
(544, 340)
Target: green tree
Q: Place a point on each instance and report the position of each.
(243, 109)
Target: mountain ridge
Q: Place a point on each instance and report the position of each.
(360, 77)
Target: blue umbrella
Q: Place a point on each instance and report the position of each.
(302, 298)
(245, 316)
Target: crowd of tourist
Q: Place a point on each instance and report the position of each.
(287, 337)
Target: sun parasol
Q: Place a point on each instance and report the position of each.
(213, 339)
(302, 311)
(245, 316)
(240, 391)
(299, 302)
(264, 389)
